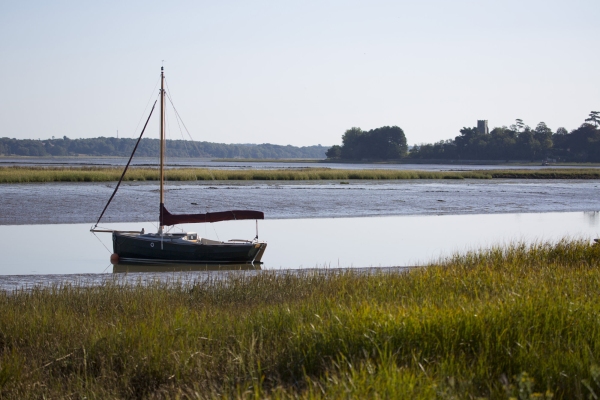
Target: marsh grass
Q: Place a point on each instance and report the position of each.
(521, 321)
(97, 174)
(550, 173)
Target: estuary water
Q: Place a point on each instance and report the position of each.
(44, 251)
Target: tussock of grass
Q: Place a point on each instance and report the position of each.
(517, 321)
(96, 174)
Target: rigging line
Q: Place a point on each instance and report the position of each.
(179, 126)
(181, 119)
(146, 107)
(166, 155)
(167, 136)
(181, 132)
(94, 233)
(155, 225)
(127, 166)
(103, 227)
(178, 117)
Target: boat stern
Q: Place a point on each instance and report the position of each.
(261, 246)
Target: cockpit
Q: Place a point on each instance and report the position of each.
(191, 236)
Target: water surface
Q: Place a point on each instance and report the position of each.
(301, 243)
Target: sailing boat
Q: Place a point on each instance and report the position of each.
(164, 247)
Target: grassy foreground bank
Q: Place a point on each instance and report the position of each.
(521, 322)
(96, 174)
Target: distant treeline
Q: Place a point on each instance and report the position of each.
(110, 146)
(510, 143)
(516, 142)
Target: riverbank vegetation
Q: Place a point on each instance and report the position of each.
(516, 322)
(115, 147)
(96, 174)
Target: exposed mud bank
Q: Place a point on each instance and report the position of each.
(54, 203)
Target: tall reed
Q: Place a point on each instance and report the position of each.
(520, 321)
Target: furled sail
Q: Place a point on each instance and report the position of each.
(166, 218)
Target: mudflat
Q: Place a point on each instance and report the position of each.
(82, 202)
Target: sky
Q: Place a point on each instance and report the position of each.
(298, 73)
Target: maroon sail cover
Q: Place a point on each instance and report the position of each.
(166, 218)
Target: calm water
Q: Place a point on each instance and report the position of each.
(45, 253)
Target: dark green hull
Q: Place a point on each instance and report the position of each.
(150, 248)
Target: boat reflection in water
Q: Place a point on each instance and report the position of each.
(123, 267)
(188, 247)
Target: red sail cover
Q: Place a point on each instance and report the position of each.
(166, 218)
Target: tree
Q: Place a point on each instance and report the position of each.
(502, 143)
(334, 152)
(543, 135)
(385, 143)
(351, 143)
(528, 146)
(594, 117)
(562, 131)
(465, 140)
(583, 143)
(518, 125)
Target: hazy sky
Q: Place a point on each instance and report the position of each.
(297, 73)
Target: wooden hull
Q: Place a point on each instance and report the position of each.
(151, 249)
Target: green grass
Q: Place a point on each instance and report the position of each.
(95, 174)
(522, 321)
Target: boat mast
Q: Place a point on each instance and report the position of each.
(162, 143)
